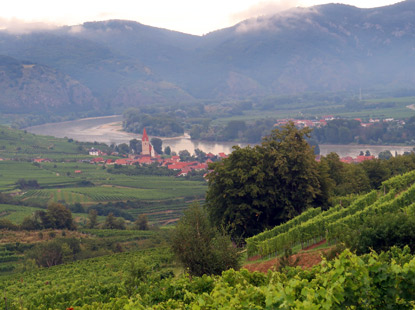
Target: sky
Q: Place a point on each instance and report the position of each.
(190, 16)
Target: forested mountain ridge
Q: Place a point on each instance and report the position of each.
(26, 85)
(329, 47)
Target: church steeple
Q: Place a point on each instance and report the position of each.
(145, 137)
(145, 144)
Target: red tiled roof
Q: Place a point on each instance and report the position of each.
(97, 159)
(122, 161)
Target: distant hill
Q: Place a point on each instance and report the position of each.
(25, 87)
(329, 47)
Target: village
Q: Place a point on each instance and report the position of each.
(149, 156)
(183, 166)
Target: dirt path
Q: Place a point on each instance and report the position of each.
(306, 259)
(315, 245)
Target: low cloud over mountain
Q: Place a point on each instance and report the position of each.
(329, 47)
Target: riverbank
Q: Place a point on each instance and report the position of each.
(108, 129)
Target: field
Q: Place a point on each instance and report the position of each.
(16, 214)
(161, 198)
(370, 108)
(19, 144)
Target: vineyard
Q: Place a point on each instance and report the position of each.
(115, 282)
(161, 198)
(397, 193)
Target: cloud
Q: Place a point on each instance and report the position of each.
(277, 20)
(264, 8)
(17, 26)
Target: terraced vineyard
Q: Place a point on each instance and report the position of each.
(397, 193)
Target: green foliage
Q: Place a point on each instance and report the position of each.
(88, 283)
(162, 125)
(260, 187)
(7, 224)
(92, 218)
(344, 223)
(59, 217)
(382, 231)
(141, 223)
(157, 144)
(199, 247)
(111, 222)
(54, 252)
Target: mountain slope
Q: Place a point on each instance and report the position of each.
(28, 86)
(329, 47)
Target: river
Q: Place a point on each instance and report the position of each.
(108, 130)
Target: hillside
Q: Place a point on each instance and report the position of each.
(325, 48)
(25, 86)
(337, 223)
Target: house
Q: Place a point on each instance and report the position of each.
(78, 171)
(146, 160)
(347, 160)
(362, 158)
(223, 155)
(41, 160)
(97, 160)
(122, 161)
(94, 152)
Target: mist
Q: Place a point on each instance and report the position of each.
(17, 26)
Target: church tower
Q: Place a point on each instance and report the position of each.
(145, 143)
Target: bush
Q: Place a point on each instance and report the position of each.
(7, 224)
(201, 248)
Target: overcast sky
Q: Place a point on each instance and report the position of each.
(189, 16)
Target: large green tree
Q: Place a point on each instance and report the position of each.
(259, 187)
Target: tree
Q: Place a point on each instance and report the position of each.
(27, 184)
(123, 148)
(200, 155)
(385, 155)
(141, 223)
(201, 248)
(111, 222)
(260, 187)
(92, 218)
(56, 216)
(167, 150)
(60, 216)
(136, 146)
(157, 144)
(184, 155)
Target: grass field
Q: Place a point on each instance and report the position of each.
(16, 214)
(19, 144)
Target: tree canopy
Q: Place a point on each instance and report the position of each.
(259, 187)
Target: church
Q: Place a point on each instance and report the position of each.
(146, 147)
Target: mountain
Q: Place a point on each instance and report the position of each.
(330, 47)
(25, 86)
